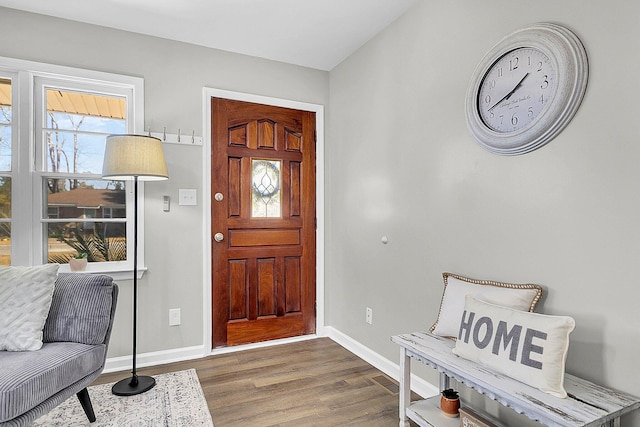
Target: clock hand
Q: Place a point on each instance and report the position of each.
(507, 96)
(517, 86)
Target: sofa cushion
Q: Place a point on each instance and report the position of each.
(29, 378)
(25, 298)
(80, 309)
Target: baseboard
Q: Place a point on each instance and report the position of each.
(418, 385)
(122, 363)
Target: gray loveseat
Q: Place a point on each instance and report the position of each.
(76, 336)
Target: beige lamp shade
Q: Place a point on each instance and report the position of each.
(130, 156)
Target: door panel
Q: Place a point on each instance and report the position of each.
(264, 237)
(263, 165)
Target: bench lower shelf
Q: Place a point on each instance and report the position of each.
(427, 413)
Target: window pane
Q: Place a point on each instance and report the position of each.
(265, 185)
(75, 129)
(72, 152)
(5, 220)
(5, 197)
(77, 198)
(5, 243)
(5, 124)
(100, 241)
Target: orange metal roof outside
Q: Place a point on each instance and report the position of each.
(74, 102)
(5, 92)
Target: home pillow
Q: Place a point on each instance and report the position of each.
(25, 298)
(528, 347)
(520, 297)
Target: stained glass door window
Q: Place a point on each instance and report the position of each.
(265, 188)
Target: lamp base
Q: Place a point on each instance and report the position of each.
(132, 386)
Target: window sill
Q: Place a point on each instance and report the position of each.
(115, 273)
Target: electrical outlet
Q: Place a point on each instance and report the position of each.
(174, 317)
(369, 317)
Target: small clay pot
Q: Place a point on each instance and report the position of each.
(78, 264)
(450, 403)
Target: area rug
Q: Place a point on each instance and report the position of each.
(176, 400)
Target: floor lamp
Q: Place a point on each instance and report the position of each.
(134, 158)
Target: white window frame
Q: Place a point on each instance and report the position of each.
(29, 80)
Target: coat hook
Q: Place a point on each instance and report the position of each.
(164, 133)
(178, 134)
(193, 136)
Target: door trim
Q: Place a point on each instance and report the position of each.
(207, 94)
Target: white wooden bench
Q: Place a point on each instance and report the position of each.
(588, 404)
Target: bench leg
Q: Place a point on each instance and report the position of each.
(444, 382)
(405, 386)
(85, 401)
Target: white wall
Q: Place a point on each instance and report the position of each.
(401, 163)
(175, 75)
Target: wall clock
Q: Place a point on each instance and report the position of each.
(526, 89)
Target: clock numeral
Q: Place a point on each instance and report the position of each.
(514, 120)
(545, 82)
(487, 99)
(542, 100)
(499, 72)
(530, 112)
(540, 66)
(513, 64)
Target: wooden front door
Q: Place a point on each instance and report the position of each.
(263, 222)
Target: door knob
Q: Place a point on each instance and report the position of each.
(218, 197)
(218, 237)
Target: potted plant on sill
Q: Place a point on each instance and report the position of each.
(78, 262)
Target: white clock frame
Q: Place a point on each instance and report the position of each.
(569, 58)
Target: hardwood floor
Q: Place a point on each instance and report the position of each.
(308, 383)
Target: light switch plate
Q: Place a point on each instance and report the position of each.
(187, 197)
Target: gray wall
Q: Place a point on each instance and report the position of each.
(401, 163)
(174, 75)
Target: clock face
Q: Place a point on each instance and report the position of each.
(516, 90)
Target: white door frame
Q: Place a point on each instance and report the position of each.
(207, 94)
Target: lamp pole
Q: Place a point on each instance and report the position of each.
(135, 384)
